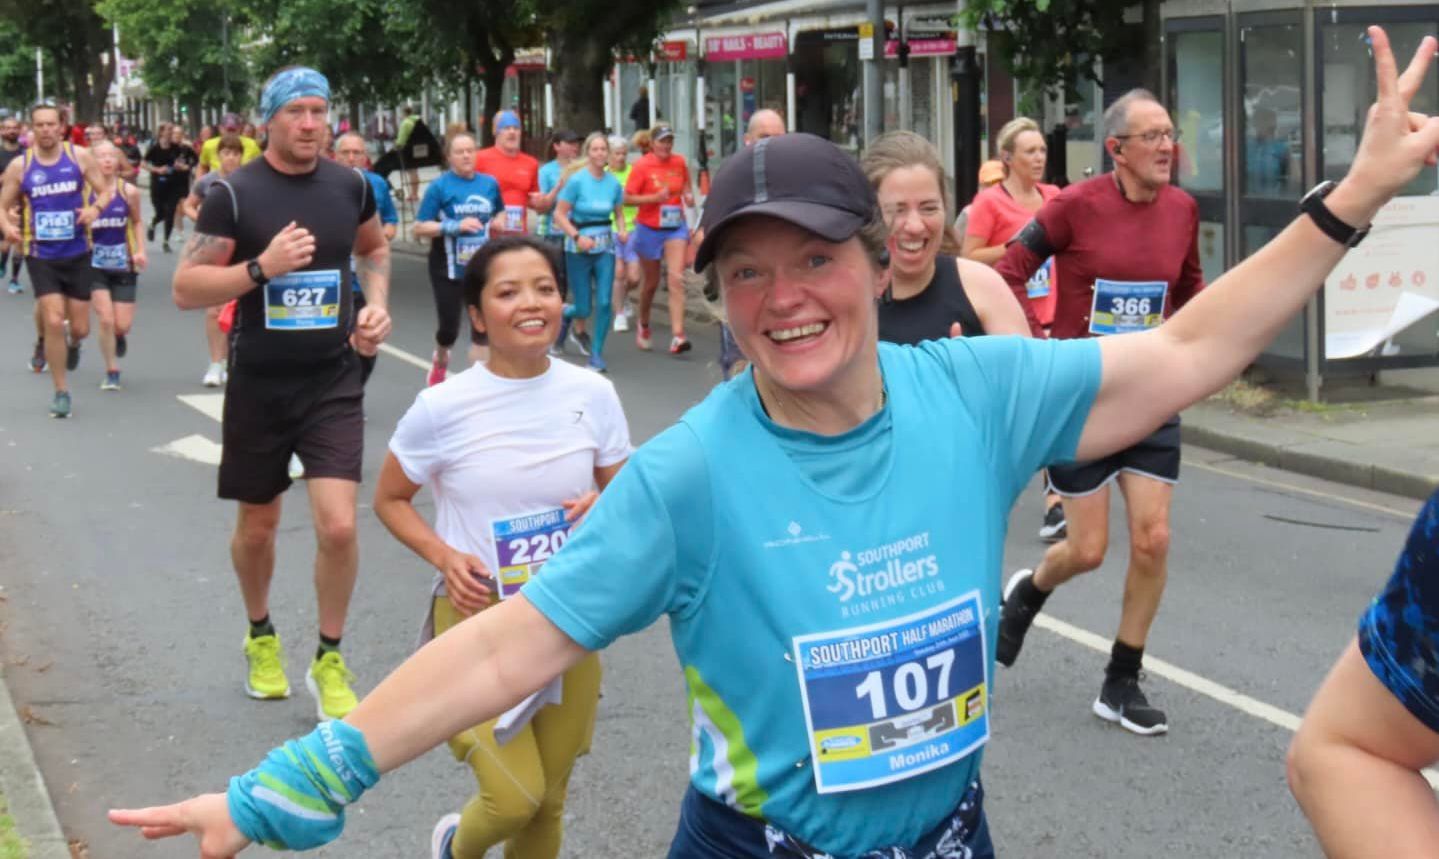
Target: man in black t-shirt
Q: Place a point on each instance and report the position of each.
(277, 235)
(10, 149)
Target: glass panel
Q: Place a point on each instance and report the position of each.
(1084, 120)
(1197, 99)
(827, 92)
(1211, 249)
(1273, 156)
(1349, 90)
(721, 81)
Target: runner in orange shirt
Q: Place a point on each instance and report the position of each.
(517, 173)
(659, 184)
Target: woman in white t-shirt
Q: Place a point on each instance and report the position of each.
(514, 451)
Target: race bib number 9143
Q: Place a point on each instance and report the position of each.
(524, 543)
(889, 701)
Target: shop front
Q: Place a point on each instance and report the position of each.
(1270, 100)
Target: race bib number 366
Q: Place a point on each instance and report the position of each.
(303, 301)
(524, 543)
(1123, 307)
(889, 701)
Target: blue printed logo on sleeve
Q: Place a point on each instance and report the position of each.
(303, 301)
(1038, 285)
(889, 701)
(1124, 307)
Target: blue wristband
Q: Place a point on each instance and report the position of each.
(450, 227)
(295, 799)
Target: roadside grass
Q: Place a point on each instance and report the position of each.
(12, 846)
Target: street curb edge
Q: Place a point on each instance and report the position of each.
(1365, 476)
(24, 787)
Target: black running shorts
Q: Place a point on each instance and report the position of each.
(68, 277)
(120, 284)
(270, 414)
(1156, 456)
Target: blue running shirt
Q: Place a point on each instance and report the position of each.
(835, 625)
(450, 197)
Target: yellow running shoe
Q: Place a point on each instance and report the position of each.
(267, 668)
(329, 682)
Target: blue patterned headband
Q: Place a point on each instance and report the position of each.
(289, 85)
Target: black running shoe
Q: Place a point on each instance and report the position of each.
(72, 354)
(1121, 700)
(37, 358)
(1054, 528)
(121, 346)
(1015, 619)
(150, 233)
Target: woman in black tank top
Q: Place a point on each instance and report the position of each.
(932, 293)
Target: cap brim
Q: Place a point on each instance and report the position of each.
(827, 222)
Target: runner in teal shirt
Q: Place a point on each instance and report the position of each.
(590, 203)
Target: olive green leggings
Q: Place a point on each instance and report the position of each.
(523, 782)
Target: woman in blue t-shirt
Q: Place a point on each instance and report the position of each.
(824, 532)
(591, 200)
(455, 215)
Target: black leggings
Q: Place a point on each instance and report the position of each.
(166, 202)
(449, 304)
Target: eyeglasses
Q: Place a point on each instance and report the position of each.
(1152, 137)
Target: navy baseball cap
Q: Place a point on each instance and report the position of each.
(799, 178)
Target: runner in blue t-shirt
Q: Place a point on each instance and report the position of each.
(591, 202)
(350, 150)
(824, 531)
(455, 214)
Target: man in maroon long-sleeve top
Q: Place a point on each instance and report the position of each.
(1126, 254)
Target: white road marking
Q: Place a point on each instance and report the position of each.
(210, 405)
(401, 354)
(1289, 487)
(192, 447)
(1191, 681)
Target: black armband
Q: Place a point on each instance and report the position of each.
(1035, 239)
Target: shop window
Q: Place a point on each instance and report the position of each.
(1348, 89)
(1197, 99)
(1273, 152)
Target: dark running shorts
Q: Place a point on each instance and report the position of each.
(120, 284)
(317, 415)
(68, 277)
(1156, 456)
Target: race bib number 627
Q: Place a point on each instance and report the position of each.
(891, 700)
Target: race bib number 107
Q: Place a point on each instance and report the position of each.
(892, 700)
(524, 543)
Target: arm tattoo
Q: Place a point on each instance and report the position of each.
(374, 273)
(203, 249)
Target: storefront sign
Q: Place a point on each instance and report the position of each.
(935, 47)
(1387, 284)
(751, 46)
(866, 41)
(529, 58)
(673, 52)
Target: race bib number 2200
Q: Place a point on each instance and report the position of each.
(524, 543)
(889, 701)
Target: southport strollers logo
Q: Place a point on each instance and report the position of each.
(885, 575)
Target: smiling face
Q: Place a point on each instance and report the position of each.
(598, 153)
(913, 206)
(1029, 155)
(802, 309)
(520, 305)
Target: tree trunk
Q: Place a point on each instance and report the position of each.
(579, 91)
(92, 84)
(494, 78)
(1153, 56)
(355, 114)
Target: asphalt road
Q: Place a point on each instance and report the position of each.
(122, 628)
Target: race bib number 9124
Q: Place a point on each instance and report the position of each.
(889, 701)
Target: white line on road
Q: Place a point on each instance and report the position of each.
(192, 447)
(405, 356)
(210, 405)
(1330, 496)
(1191, 681)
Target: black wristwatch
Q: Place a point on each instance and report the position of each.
(256, 273)
(1329, 223)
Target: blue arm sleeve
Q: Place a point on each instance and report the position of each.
(295, 799)
(1037, 394)
(644, 550)
(1399, 633)
(385, 201)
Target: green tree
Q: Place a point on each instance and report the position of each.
(77, 43)
(189, 51)
(371, 50)
(482, 37)
(17, 68)
(1054, 45)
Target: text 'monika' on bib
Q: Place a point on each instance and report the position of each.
(524, 543)
(1124, 307)
(303, 301)
(892, 700)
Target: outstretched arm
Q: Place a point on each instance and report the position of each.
(1149, 376)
